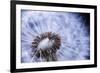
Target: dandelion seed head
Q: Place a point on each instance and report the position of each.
(43, 29)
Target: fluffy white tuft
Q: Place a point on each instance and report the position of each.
(70, 27)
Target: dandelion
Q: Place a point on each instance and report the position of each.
(54, 36)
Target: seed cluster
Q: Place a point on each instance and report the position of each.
(49, 53)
